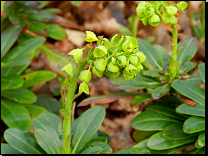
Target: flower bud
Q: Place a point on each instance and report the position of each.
(97, 72)
(112, 75)
(77, 53)
(83, 87)
(131, 69)
(140, 9)
(171, 10)
(166, 18)
(134, 59)
(130, 44)
(113, 67)
(149, 10)
(100, 51)
(100, 64)
(68, 69)
(85, 76)
(121, 61)
(91, 37)
(154, 20)
(128, 76)
(182, 5)
(142, 57)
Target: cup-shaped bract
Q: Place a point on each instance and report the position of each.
(173, 20)
(97, 72)
(134, 59)
(100, 64)
(77, 53)
(182, 5)
(171, 10)
(166, 18)
(149, 10)
(154, 20)
(83, 87)
(68, 69)
(128, 76)
(112, 75)
(140, 9)
(142, 57)
(100, 51)
(130, 44)
(114, 41)
(85, 76)
(113, 67)
(121, 61)
(145, 20)
(131, 69)
(91, 37)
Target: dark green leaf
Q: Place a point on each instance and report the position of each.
(151, 73)
(159, 142)
(140, 98)
(46, 141)
(201, 140)
(35, 110)
(188, 51)
(188, 66)
(16, 138)
(50, 10)
(195, 78)
(151, 121)
(202, 71)
(102, 134)
(160, 91)
(15, 115)
(196, 110)
(11, 82)
(55, 32)
(195, 151)
(20, 95)
(194, 124)
(86, 128)
(92, 150)
(41, 29)
(8, 149)
(136, 150)
(8, 37)
(191, 90)
(17, 61)
(141, 135)
(102, 139)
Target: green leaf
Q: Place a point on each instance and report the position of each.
(15, 115)
(196, 110)
(35, 110)
(50, 10)
(45, 141)
(202, 71)
(152, 55)
(159, 142)
(39, 123)
(83, 87)
(102, 139)
(151, 121)
(142, 135)
(8, 149)
(136, 150)
(188, 51)
(160, 91)
(20, 95)
(17, 61)
(8, 37)
(201, 140)
(11, 82)
(195, 78)
(36, 77)
(125, 31)
(92, 150)
(140, 98)
(55, 32)
(102, 134)
(190, 89)
(188, 66)
(86, 128)
(41, 29)
(194, 124)
(106, 148)
(16, 138)
(151, 73)
(195, 151)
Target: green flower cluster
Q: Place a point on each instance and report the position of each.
(151, 12)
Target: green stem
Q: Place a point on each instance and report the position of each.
(135, 26)
(174, 46)
(68, 107)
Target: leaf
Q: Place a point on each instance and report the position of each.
(190, 90)
(55, 32)
(202, 71)
(41, 29)
(159, 142)
(151, 121)
(50, 10)
(125, 31)
(151, 73)
(102, 134)
(188, 51)
(142, 135)
(105, 98)
(188, 66)
(201, 140)
(16, 138)
(196, 110)
(140, 98)
(195, 78)
(36, 77)
(45, 141)
(135, 150)
(39, 123)
(8, 149)
(152, 55)
(11, 82)
(102, 139)
(194, 124)
(160, 91)
(92, 150)
(15, 115)
(8, 37)
(86, 128)
(17, 61)
(20, 95)
(35, 110)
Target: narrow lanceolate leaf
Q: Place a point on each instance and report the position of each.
(35, 110)
(142, 135)
(16, 138)
(202, 71)
(201, 140)
(191, 90)
(45, 141)
(195, 78)
(196, 110)
(153, 56)
(92, 150)
(160, 91)
(20, 95)
(135, 150)
(194, 124)
(140, 98)
(17, 61)
(11, 82)
(8, 149)
(151, 73)
(151, 121)
(15, 115)
(188, 51)
(86, 128)
(195, 151)
(8, 37)
(159, 142)
(188, 66)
